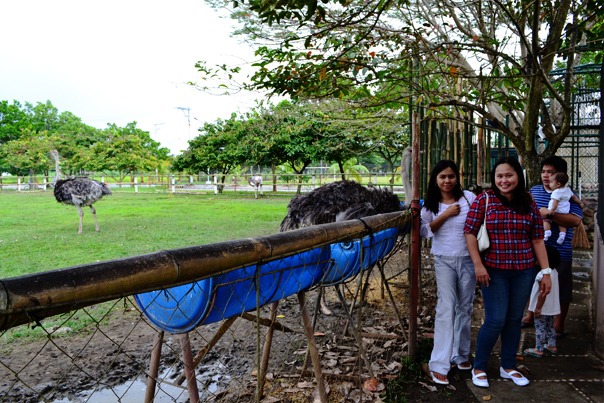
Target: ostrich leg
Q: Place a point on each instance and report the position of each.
(95, 220)
(81, 214)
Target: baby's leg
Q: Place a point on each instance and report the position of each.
(547, 226)
(562, 235)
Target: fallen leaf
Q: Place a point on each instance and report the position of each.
(371, 384)
(487, 397)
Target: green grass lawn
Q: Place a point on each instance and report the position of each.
(38, 234)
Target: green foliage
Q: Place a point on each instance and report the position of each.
(28, 133)
(461, 60)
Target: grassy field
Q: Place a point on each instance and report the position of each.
(38, 234)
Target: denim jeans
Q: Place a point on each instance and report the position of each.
(504, 301)
(456, 283)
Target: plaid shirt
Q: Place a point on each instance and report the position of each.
(510, 233)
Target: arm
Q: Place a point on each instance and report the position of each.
(576, 199)
(545, 285)
(482, 276)
(451, 211)
(566, 220)
(554, 205)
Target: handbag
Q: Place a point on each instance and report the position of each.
(483, 235)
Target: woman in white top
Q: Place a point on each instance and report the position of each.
(443, 217)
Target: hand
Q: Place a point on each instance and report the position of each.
(545, 285)
(453, 210)
(482, 276)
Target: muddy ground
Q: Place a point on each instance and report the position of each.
(108, 360)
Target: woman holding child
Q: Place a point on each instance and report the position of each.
(505, 271)
(443, 217)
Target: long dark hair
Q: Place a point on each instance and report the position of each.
(433, 195)
(521, 199)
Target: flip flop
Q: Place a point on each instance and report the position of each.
(533, 352)
(438, 381)
(551, 350)
(464, 366)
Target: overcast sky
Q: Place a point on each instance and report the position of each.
(118, 61)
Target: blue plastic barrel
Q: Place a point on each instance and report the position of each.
(180, 309)
(346, 256)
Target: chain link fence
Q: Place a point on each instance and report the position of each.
(245, 330)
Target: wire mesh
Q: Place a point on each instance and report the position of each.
(239, 336)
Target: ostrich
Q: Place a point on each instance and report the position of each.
(78, 192)
(405, 170)
(338, 201)
(256, 182)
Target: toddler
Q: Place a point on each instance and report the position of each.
(559, 203)
(545, 307)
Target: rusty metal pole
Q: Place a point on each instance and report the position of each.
(415, 242)
(154, 367)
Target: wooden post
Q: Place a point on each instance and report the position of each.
(187, 359)
(266, 352)
(314, 351)
(415, 243)
(154, 367)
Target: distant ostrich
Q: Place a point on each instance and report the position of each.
(78, 192)
(338, 201)
(256, 183)
(405, 172)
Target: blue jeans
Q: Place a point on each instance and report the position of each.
(504, 301)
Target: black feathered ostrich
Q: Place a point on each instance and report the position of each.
(78, 192)
(338, 201)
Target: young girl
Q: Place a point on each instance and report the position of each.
(443, 217)
(545, 307)
(559, 203)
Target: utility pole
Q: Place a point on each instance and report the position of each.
(187, 112)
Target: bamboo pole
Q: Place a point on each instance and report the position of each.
(33, 297)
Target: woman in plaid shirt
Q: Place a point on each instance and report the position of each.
(505, 271)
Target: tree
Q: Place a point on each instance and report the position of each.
(490, 58)
(123, 151)
(29, 153)
(217, 149)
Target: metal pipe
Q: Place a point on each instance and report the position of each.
(33, 297)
